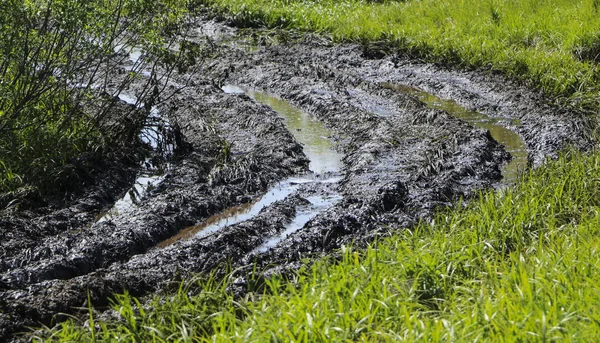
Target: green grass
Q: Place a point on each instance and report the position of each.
(550, 44)
(516, 265)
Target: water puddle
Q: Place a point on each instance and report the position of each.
(244, 212)
(318, 204)
(136, 55)
(511, 140)
(314, 137)
(130, 99)
(136, 61)
(237, 214)
(155, 129)
(325, 163)
(231, 89)
(133, 198)
(154, 134)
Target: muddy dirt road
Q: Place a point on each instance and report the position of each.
(285, 150)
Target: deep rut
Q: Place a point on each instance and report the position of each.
(401, 158)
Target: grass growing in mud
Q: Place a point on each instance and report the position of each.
(554, 44)
(519, 264)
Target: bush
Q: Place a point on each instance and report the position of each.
(56, 57)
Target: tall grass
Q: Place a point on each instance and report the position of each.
(540, 42)
(517, 265)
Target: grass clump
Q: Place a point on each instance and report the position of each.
(589, 48)
(535, 41)
(514, 265)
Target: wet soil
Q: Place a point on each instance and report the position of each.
(401, 158)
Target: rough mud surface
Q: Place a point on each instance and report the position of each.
(401, 161)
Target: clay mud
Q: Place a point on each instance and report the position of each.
(325, 164)
(243, 188)
(509, 139)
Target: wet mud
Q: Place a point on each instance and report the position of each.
(281, 151)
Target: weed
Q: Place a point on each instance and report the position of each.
(588, 48)
(495, 15)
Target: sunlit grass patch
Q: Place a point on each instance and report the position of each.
(546, 43)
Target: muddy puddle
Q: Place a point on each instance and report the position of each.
(314, 137)
(154, 133)
(318, 204)
(238, 214)
(511, 140)
(133, 198)
(325, 165)
(136, 61)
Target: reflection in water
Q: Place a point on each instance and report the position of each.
(155, 129)
(511, 140)
(154, 134)
(227, 217)
(143, 184)
(309, 132)
(231, 89)
(238, 214)
(318, 204)
(317, 147)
